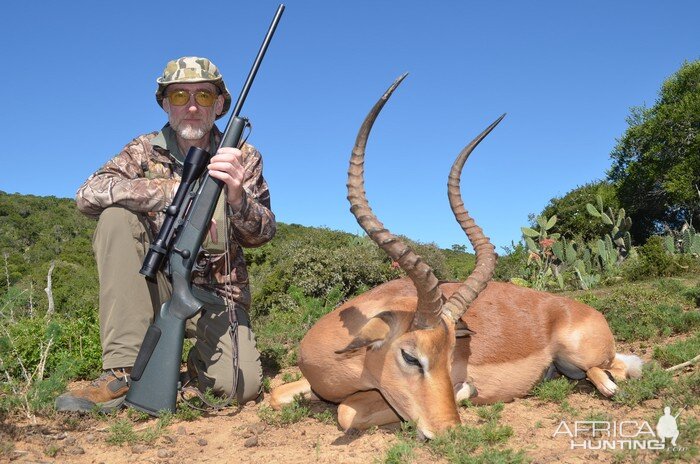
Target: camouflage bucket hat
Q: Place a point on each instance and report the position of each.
(190, 69)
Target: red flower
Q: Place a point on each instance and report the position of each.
(546, 242)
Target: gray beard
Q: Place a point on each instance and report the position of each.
(190, 133)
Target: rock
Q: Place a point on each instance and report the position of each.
(257, 428)
(74, 450)
(250, 442)
(138, 449)
(202, 442)
(165, 453)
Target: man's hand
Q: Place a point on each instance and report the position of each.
(226, 165)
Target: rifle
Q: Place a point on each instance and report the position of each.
(156, 371)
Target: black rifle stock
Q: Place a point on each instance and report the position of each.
(156, 371)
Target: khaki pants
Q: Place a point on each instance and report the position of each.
(128, 302)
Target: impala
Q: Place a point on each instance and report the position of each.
(409, 349)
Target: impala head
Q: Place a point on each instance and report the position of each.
(409, 347)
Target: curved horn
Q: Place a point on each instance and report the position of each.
(429, 294)
(460, 300)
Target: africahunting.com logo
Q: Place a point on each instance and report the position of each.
(621, 435)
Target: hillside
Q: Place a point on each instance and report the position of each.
(302, 274)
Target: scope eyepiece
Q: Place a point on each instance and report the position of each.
(152, 263)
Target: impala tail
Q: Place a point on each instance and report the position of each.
(629, 364)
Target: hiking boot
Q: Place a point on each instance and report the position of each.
(106, 393)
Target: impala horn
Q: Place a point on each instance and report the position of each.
(422, 276)
(460, 300)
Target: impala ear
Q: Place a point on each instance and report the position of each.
(372, 335)
(461, 329)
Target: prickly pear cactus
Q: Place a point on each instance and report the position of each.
(690, 240)
(670, 244)
(620, 225)
(586, 278)
(541, 257)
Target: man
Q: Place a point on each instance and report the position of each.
(128, 194)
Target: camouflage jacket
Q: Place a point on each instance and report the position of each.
(143, 178)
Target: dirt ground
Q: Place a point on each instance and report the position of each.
(241, 436)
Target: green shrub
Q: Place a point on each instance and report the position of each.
(678, 352)
(684, 392)
(643, 312)
(122, 431)
(574, 222)
(459, 263)
(490, 413)
(693, 295)
(315, 262)
(652, 382)
(279, 332)
(289, 414)
(472, 445)
(555, 391)
(653, 261)
(75, 342)
(400, 453)
(512, 264)
(647, 321)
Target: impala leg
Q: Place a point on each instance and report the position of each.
(363, 410)
(285, 394)
(625, 367)
(602, 380)
(587, 349)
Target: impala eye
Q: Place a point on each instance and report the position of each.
(412, 361)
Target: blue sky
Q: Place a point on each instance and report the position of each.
(81, 76)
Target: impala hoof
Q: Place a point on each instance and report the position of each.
(465, 391)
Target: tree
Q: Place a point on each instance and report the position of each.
(656, 163)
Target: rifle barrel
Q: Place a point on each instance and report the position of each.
(256, 64)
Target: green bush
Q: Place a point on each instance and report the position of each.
(653, 261)
(653, 381)
(678, 352)
(279, 332)
(573, 220)
(512, 264)
(459, 263)
(643, 311)
(693, 295)
(290, 413)
(74, 341)
(482, 444)
(554, 391)
(315, 261)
